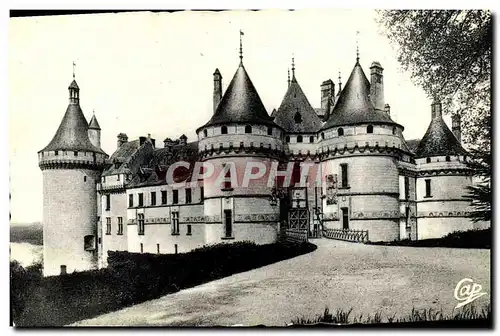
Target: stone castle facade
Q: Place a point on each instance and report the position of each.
(371, 178)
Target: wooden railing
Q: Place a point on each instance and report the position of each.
(348, 235)
(295, 235)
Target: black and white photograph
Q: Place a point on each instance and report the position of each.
(292, 168)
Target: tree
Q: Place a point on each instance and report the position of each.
(448, 54)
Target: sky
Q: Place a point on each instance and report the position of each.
(152, 73)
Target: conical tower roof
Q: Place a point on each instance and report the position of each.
(353, 105)
(439, 140)
(93, 123)
(72, 134)
(295, 114)
(241, 103)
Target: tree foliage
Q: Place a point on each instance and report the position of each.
(448, 54)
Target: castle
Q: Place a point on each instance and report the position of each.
(371, 178)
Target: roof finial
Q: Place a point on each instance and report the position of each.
(288, 76)
(93, 111)
(74, 66)
(241, 46)
(357, 46)
(293, 66)
(340, 82)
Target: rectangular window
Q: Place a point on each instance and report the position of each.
(158, 248)
(142, 248)
(120, 225)
(108, 225)
(163, 197)
(428, 188)
(130, 200)
(108, 202)
(228, 224)
(345, 219)
(188, 195)
(188, 230)
(408, 225)
(407, 187)
(153, 198)
(176, 248)
(118, 177)
(140, 224)
(202, 193)
(141, 199)
(57, 153)
(227, 180)
(344, 175)
(175, 196)
(175, 222)
(75, 153)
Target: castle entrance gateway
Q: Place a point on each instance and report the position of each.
(298, 215)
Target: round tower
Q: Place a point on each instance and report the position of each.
(71, 166)
(240, 142)
(442, 180)
(359, 147)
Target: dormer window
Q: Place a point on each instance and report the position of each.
(299, 138)
(369, 129)
(248, 129)
(428, 160)
(297, 118)
(223, 130)
(340, 132)
(311, 139)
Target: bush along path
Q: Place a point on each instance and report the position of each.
(132, 278)
(478, 239)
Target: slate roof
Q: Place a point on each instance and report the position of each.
(295, 107)
(73, 85)
(72, 134)
(154, 169)
(94, 124)
(439, 140)
(123, 156)
(353, 105)
(241, 103)
(412, 144)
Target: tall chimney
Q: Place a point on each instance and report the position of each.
(183, 139)
(122, 138)
(327, 94)
(377, 86)
(456, 126)
(217, 88)
(436, 109)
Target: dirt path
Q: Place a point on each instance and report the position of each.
(338, 274)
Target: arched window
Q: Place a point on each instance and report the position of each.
(340, 132)
(205, 133)
(394, 130)
(447, 158)
(322, 136)
(311, 139)
(287, 139)
(223, 130)
(248, 129)
(269, 131)
(428, 160)
(369, 129)
(299, 138)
